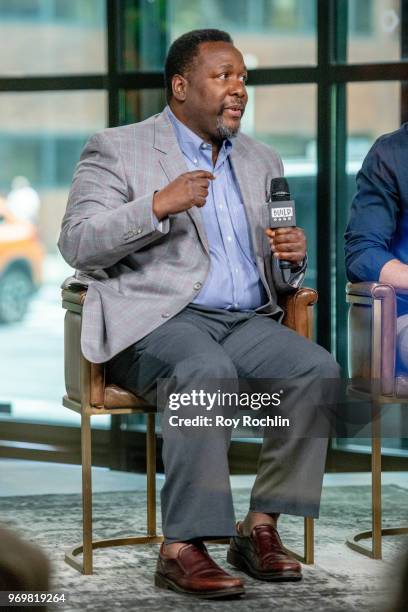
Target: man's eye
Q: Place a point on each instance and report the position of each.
(226, 75)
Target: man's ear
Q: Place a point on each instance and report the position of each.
(179, 87)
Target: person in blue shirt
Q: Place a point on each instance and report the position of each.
(376, 238)
(172, 214)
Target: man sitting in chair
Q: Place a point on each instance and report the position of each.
(376, 236)
(164, 224)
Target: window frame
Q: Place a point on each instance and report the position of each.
(330, 75)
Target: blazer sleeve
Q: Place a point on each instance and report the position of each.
(373, 216)
(101, 225)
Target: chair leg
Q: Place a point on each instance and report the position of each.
(309, 540)
(376, 486)
(151, 474)
(86, 452)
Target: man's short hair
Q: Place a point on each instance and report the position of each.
(183, 51)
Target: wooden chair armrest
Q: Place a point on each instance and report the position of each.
(381, 291)
(298, 308)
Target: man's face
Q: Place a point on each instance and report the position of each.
(215, 93)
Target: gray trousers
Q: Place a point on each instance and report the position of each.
(201, 344)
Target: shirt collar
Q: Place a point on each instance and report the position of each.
(191, 144)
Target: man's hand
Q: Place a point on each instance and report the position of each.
(288, 243)
(187, 190)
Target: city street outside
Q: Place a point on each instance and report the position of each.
(32, 356)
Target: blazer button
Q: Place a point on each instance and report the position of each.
(165, 315)
(198, 286)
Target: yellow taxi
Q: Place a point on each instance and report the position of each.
(21, 263)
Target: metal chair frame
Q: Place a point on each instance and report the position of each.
(365, 296)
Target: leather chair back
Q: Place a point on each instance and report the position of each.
(372, 337)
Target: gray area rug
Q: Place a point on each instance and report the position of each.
(340, 580)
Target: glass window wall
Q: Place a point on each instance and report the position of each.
(45, 37)
(374, 31)
(309, 116)
(41, 137)
(373, 109)
(268, 32)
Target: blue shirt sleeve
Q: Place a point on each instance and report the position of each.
(373, 216)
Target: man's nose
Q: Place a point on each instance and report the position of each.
(238, 88)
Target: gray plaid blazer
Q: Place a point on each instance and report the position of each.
(139, 276)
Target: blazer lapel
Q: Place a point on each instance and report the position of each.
(248, 180)
(173, 164)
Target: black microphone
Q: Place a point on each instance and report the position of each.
(281, 210)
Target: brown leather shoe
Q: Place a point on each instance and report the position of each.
(263, 556)
(194, 572)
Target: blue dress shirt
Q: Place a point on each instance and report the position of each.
(378, 227)
(233, 281)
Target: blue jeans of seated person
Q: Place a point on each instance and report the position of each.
(402, 343)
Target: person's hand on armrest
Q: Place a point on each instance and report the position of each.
(395, 273)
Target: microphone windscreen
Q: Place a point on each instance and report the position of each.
(279, 189)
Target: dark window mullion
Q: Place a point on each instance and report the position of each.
(261, 76)
(324, 171)
(113, 47)
(340, 184)
(340, 222)
(384, 71)
(404, 56)
(53, 83)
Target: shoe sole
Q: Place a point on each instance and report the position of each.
(240, 562)
(165, 583)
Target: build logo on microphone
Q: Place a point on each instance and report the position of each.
(281, 216)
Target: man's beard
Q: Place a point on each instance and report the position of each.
(224, 131)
